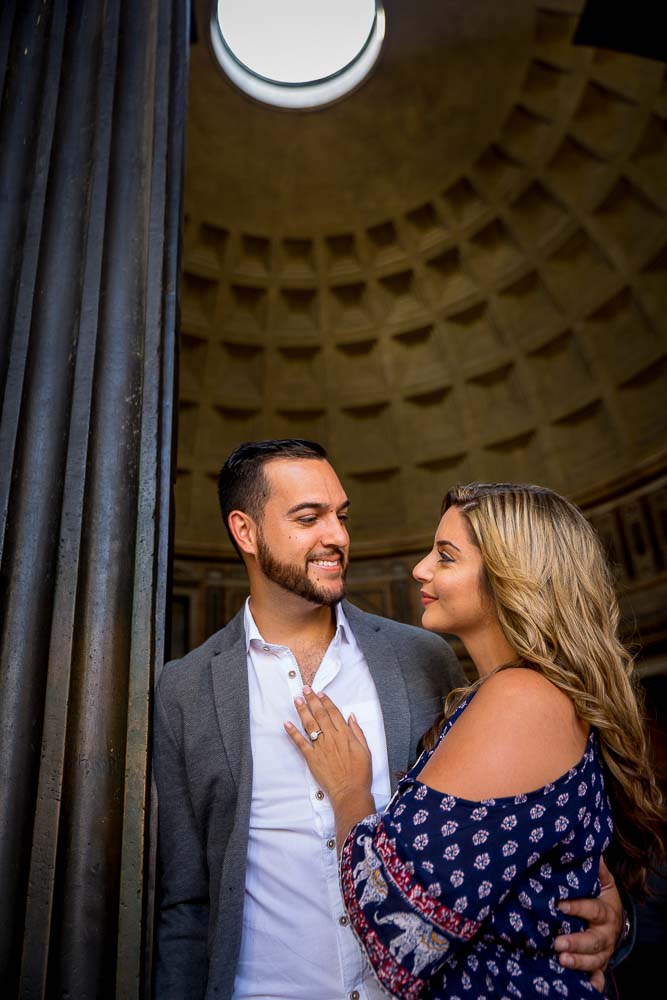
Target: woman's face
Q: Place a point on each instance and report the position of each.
(453, 595)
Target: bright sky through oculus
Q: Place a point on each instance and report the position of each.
(297, 53)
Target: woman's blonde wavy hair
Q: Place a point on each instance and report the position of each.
(554, 595)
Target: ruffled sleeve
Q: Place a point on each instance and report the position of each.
(406, 933)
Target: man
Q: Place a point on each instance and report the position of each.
(250, 905)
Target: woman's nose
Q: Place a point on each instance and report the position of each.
(421, 571)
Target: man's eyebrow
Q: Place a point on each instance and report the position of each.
(315, 505)
(445, 541)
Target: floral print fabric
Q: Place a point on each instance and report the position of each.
(457, 899)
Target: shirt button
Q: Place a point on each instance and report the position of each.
(331, 843)
(343, 921)
(292, 673)
(354, 995)
(267, 649)
(319, 794)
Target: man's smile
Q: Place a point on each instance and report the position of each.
(328, 565)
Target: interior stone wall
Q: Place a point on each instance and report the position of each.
(456, 273)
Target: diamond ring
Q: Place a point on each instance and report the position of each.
(315, 734)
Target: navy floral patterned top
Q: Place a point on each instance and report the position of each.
(457, 899)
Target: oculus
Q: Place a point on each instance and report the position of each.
(297, 53)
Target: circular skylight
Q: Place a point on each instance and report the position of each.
(297, 53)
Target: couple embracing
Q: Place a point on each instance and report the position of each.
(307, 850)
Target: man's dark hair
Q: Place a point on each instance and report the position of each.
(242, 483)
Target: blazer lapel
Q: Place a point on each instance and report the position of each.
(390, 685)
(229, 673)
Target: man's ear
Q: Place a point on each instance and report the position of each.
(244, 531)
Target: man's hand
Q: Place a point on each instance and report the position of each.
(590, 950)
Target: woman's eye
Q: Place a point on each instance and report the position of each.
(309, 519)
(444, 557)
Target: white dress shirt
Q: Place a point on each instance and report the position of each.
(297, 943)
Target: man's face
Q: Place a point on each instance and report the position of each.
(302, 540)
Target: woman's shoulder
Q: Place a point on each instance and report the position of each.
(517, 733)
(518, 700)
(517, 690)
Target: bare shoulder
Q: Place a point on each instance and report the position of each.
(519, 732)
(518, 693)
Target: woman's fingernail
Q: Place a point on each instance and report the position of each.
(299, 700)
(353, 717)
(288, 725)
(566, 959)
(306, 689)
(564, 907)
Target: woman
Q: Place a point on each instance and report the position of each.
(459, 888)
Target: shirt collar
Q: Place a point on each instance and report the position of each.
(251, 630)
(343, 630)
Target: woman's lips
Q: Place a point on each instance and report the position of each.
(427, 598)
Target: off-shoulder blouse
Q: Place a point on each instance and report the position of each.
(456, 899)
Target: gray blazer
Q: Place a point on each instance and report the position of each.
(203, 769)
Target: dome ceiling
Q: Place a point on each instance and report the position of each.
(446, 79)
(458, 272)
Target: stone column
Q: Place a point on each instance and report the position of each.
(91, 131)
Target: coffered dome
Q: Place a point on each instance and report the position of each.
(457, 272)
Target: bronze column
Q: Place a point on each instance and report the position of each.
(91, 138)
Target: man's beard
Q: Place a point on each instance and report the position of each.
(294, 579)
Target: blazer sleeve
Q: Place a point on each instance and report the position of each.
(183, 915)
(454, 673)
(438, 661)
(628, 937)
